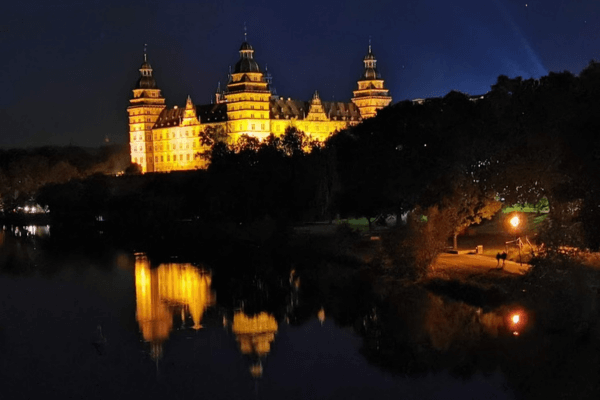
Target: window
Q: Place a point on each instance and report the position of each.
(156, 159)
(252, 126)
(251, 115)
(262, 126)
(181, 157)
(135, 160)
(252, 106)
(174, 146)
(187, 145)
(188, 157)
(180, 146)
(169, 157)
(162, 158)
(194, 145)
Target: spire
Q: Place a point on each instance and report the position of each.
(370, 64)
(188, 103)
(245, 32)
(316, 99)
(146, 80)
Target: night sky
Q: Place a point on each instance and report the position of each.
(68, 67)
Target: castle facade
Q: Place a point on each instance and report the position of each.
(167, 139)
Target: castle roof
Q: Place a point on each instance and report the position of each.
(210, 113)
(335, 110)
(169, 117)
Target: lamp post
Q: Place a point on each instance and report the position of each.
(515, 222)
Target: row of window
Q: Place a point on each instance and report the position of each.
(165, 135)
(262, 116)
(161, 147)
(234, 108)
(188, 157)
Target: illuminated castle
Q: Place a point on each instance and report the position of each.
(163, 139)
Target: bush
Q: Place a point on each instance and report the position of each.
(412, 249)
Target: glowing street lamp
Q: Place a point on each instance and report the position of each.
(515, 221)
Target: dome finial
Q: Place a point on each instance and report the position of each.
(245, 32)
(145, 47)
(369, 43)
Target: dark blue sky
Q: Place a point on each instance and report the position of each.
(68, 66)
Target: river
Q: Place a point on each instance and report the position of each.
(118, 324)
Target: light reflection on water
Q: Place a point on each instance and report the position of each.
(31, 230)
(166, 291)
(181, 289)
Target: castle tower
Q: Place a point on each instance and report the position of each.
(371, 94)
(247, 97)
(145, 106)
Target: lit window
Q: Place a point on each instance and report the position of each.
(169, 157)
(162, 158)
(174, 146)
(252, 126)
(181, 157)
(188, 157)
(156, 159)
(194, 145)
(262, 126)
(187, 145)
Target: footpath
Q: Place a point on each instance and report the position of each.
(477, 261)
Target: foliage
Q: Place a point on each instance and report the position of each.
(24, 171)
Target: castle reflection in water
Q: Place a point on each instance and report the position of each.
(181, 289)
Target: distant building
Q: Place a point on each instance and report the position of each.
(163, 139)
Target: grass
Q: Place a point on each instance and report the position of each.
(360, 224)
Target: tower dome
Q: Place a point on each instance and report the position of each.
(246, 63)
(146, 80)
(370, 66)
